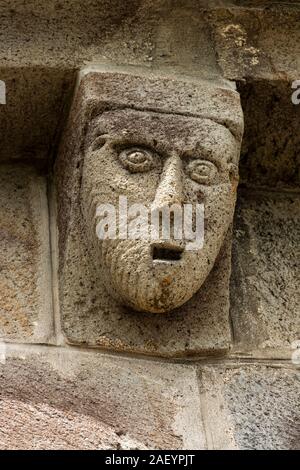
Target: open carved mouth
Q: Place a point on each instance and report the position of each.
(166, 253)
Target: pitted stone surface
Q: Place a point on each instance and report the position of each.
(36, 100)
(265, 300)
(104, 283)
(232, 39)
(54, 399)
(250, 43)
(66, 399)
(90, 317)
(44, 45)
(25, 267)
(269, 155)
(264, 406)
(255, 406)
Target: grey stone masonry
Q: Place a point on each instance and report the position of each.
(143, 344)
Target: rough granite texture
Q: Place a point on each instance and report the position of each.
(65, 399)
(25, 267)
(90, 317)
(36, 100)
(260, 42)
(251, 406)
(265, 299)
(270, 155)
(55, 399)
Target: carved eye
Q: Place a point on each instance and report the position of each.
(202, 171)
(137, 160)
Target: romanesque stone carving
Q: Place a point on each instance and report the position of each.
(158, 160)
(158, 142)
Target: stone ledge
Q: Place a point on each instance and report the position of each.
(55, 398)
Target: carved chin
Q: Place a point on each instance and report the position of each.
(145, 284)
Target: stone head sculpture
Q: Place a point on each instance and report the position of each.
(158, 143)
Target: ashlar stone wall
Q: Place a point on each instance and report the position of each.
(85, 361)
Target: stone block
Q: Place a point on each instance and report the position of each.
(36, 102)
(269, 155)
(251, 406)
(63, 399)
(250, 42)
(25, 266)
(44, 45)
(114, 294)
(265, 299)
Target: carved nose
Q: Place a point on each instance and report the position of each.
(170, 188)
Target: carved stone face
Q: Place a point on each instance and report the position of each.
(157, 160)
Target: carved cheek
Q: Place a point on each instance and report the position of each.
(218, 208)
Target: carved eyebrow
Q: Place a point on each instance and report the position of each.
(122, 141)
(199, 152)
(97, 135)
(144, 141)
(207, 150)
(98, 141)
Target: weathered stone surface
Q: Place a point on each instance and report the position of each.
(58, 399)
(256, 36)
(264, 59)
(249, 42)
(251, 406)
(140, 32)
(90, 317)
(103, 283)
(265, 299)
(54, 398)
(269, 155)
(36, 105)
(25, 267)
(42, 47)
